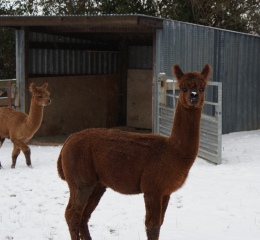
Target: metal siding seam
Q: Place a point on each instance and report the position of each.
(78, 62)
(33, 61)
(158, 64)
(222, 69)
(40, 62)
(177, 46)
(83, 62)
(88, 62)
(56, 60)
(72, 57)
(245, 85)
(67, 64)
(242, 81)
(50, 62)
(256, 70)
(171, 49)
(250, 76)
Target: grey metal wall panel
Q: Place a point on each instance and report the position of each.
(234, 57)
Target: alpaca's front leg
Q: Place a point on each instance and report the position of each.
(15, 154)
(27, 155)
(26, 151)
(153, 218)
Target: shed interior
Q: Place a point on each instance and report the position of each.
(99, 70)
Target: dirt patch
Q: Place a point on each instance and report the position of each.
(58, 140)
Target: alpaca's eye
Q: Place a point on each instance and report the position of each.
(40, 96)
(184, 89)
(201, 89)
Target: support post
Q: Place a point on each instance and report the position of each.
(21, 64)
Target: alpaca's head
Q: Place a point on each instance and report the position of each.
(192, 86)
(40, 94)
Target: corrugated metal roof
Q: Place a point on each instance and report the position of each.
(94, 20)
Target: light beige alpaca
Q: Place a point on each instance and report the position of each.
(20, 127)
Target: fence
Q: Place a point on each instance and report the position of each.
(8, 93)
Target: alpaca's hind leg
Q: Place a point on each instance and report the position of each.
(71, 218)
(1, 143)
(153, 218)
(89, 208)
(15, 154)
(78, 199)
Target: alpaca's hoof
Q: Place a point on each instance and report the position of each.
(12, 166)
(30, 166)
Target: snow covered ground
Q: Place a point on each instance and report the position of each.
(217, 202)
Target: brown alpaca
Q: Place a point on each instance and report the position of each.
(132, 163)
(20, 127)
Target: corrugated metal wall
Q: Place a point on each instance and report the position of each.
(235, 60)
(57, 61)
(46, 61)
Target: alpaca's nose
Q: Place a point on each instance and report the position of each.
(194, 94)
(48, 101)
(194, 97)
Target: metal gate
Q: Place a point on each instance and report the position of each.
(211, 120)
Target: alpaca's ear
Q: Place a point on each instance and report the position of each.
(206, 71)
(45, 85)
(32, 87)
(177, 71)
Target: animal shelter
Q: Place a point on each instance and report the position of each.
(96, 67)
(103, 71)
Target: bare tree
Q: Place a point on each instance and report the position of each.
(237, 15)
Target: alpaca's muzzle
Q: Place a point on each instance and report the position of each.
(194, 97)
(48, 102)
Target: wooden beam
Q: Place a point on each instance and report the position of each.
(93, 29)
(86, 21)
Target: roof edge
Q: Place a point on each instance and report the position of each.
(81, 20)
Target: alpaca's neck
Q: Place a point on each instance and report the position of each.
(186, 131)
(35, 116)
